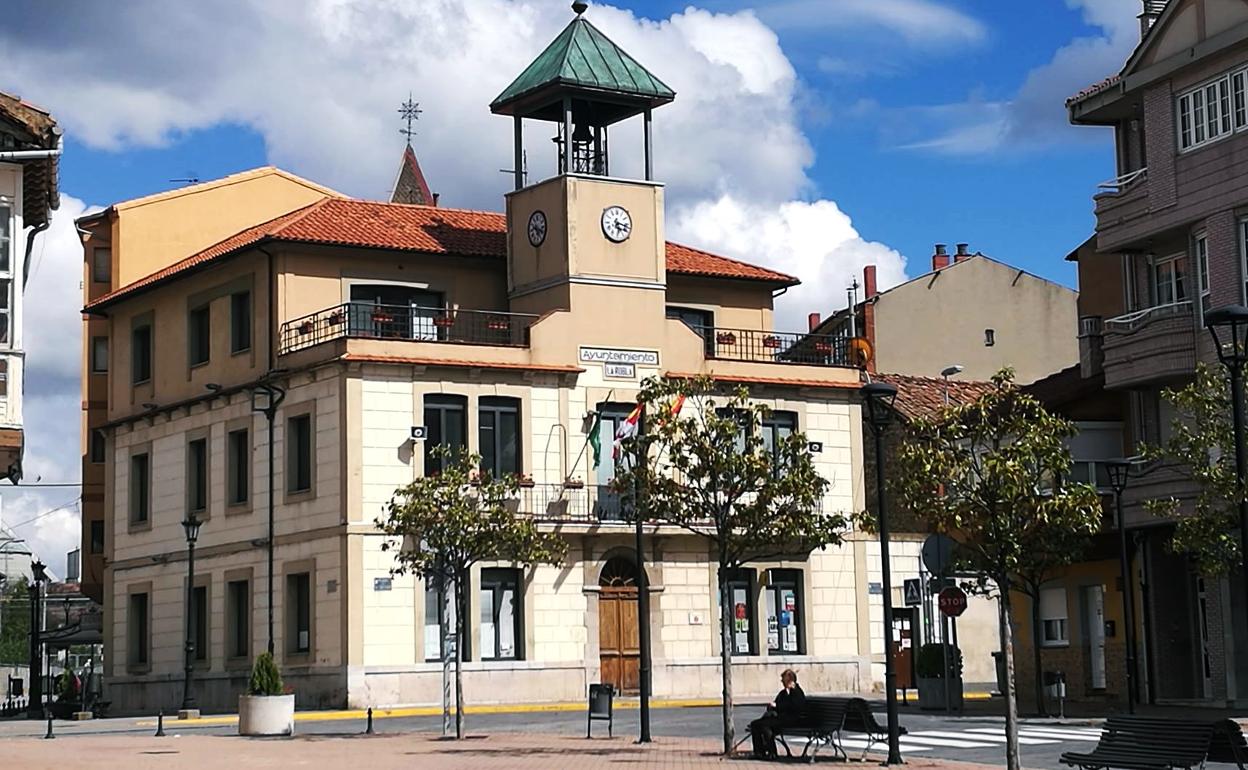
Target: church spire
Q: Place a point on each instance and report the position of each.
(410, 185)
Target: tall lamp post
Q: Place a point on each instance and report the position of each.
(191, 527)
(34, 701)
(878, 399)
(1119, 471)
(1229, 328)
(265, 399)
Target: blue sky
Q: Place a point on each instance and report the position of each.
(812, 136)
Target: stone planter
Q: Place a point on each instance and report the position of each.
(266, 714)
(932, 694)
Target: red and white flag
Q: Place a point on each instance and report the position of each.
(628, 428)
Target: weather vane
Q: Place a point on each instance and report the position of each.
(409, 111)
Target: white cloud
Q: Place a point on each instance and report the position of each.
(920, 22)
(1035, 115)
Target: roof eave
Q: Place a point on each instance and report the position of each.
(545, 93)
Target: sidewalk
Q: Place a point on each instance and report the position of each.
(381, 752)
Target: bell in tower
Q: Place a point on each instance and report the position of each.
(584, 83)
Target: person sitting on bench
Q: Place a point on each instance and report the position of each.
(782, 712)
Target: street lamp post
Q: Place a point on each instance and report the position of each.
(34, 701)
(1119, 471)
(191, 526)
(1229, 328)
(878, 399)
(265, 398)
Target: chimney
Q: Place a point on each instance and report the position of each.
(1152, 11)
(962, 254)
(940, 258)
(812, 321)
(868, 282)
(435, 198)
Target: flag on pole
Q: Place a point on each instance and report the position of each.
(677, 404)
(595, 440)
(628, 428)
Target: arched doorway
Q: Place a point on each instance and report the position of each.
(618, 647)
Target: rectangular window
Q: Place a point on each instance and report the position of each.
(1238, 103)
(299, 613)
(439, 619)
(741, 594)
(1212, 111)
(6, 237)
(199, 335)
(702, 322)
(446, 421)
(199, 621)
(238, 465)
(1243, 257)
(498, 434)
(299, 453)
(784, 612)
(777, 427)
(6, 311)
(4, 378)
(197, 475)
(138, 641)
(141, 354)
(1168, 285)
(99, 355)
(238, 619)
(97, 446)
(1054, 631)
(240, 322)
(140, 487)
(1200, 247)
(102, 265)
(97, 536)
(500, 614)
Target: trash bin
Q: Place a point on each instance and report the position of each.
(601, 706)
(999, 658)
(1055, 684)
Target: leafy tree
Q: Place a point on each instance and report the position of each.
(15, 621)
(709, 469)
(1202, 444)
(439, 526)
(999, 456)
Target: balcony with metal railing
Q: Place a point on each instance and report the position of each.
(575, 503)
(1152, 345)
(366, 320)
(757, 345)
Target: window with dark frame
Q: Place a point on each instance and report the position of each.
(197, 475)
(298, 613)
(137, 630)
(97, 536)
(238, 466)
(741, 596)
(440, 617)
(199, 622)
(783, 595)
(500, 608)
(777, 428)
(238, 618)
(141, 354)
(99, 355)
(702, 322)
(140, 487)
(299, 453)
(102, 265)
(98, 446)
(498, 435)
(199, 335)
(240, 322)
(446, 420)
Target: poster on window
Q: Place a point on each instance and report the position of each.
(773, 633)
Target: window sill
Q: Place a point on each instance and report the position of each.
(300, 496)
(136, 527)
(238, 509)
(137, 383)
(140, 668)
(199, 364)
(298, 659)
(1054, 645)
(240, 352)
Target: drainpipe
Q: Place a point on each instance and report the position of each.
(35, 154)
(30, 243)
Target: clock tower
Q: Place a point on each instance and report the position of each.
(584, 239)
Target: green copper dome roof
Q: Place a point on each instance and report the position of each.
(581, 58)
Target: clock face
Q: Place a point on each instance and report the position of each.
(617, 225)
(537, 228)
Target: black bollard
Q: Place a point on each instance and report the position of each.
(369, 730)
(160, 724)
(49, 736)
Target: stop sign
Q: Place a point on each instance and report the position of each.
(952, 601)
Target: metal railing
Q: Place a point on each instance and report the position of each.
(366, 320)
(1120, 183)
(1091, 326)
(1131, 321)
(775, 347)
(576, 503)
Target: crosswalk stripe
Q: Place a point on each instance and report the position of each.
(857, 743)
(1036, 732)
(989, 737)
(951, 740)
(998, 734)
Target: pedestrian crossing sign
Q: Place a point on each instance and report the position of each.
(914, 596)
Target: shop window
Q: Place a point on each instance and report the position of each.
(741, 595)
(440, 617)
(500, 614)
(785, 613)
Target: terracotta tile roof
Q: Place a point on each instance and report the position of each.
(1094, 89)
(789, 381)
(924, 396)
(421, 229)
(458, 364)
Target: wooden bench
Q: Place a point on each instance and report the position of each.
(1147, 743)
(860, 719)
(820, 723)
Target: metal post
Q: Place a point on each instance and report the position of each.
(34, 699)
(1128, 602)
(1241, 464)
(890, 672)
(649, 148)
(643, 626)
(188, 697)
(565, 163)
(271, 414)
(519, 142)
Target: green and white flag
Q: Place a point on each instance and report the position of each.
(595, 440)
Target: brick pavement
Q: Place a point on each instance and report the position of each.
(381, 752)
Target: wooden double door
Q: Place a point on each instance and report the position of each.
(618, 646)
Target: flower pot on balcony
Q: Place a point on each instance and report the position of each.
(726, 338)
(823, 347)
(574, 485)
(527, 483)
(498, 326)
(305, 327)
(444, 321)
(382, 318)
(266, 714)
(771, 341)
(335, 318)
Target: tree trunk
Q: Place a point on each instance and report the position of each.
(725, 656)
(448, 636)
(1011, 700)
(1041, 709)
(460, 619)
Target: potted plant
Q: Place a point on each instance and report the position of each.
(576, 483)
(771, 341)
(934, 678)
(267, 708)
(726, 338)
